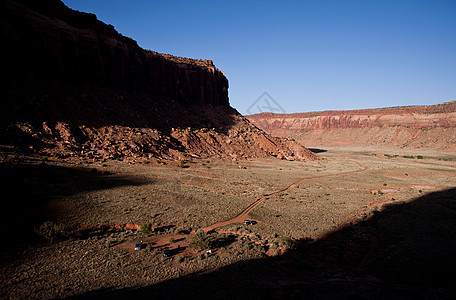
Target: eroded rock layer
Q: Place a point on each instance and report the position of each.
(412, 126)
(76, 87)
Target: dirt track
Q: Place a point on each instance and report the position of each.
(164, 242)
(245, 214)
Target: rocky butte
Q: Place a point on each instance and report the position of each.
(425, 127)
(74, 87)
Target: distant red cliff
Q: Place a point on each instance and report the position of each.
(412, 126)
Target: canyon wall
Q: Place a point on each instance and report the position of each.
(412, 126)
(74, 87)
(45, 40)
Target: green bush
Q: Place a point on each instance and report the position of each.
(200, 241)
(420, 157)
(260, 248)
(287, 242)
(146, 228)
(172, 240)
(51, 231)
(248, 246)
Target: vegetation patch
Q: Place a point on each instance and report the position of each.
(146, 228)
(200, 241)
(287, 242)
(51, 231)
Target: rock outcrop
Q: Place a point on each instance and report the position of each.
(45, 40)
(412, 126)
(76, 87)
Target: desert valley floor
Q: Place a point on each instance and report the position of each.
(360, 220)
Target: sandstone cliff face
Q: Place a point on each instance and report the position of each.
(76, 87)
(414, 126)
(53, 42)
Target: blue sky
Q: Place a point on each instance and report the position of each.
(308, 55)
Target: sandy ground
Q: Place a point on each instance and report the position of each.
(297, 199)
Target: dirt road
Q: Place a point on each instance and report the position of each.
(244, 214)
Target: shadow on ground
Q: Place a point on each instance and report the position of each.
(316, 150)
(28, 188)
(405, 251)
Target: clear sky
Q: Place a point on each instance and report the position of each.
(308, 55)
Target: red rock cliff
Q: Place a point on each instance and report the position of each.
(415, 126)
(76, 87)
(45, 40)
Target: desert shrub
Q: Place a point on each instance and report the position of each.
(182, 164)
(183, 229)
(287, 242)
(248, 246)
(254, 236)
(420, 157)
(260, 248)
(51, 231)
(178, 259)
(200, 241)
(409, 156)
(379, 192)
(11, 157)
(146, 228)
(172, 240)
(385, 184)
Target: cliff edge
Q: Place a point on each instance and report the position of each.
(432, 127)
(76, 87)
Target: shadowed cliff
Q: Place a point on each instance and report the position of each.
(48, 41)
(76, 87)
